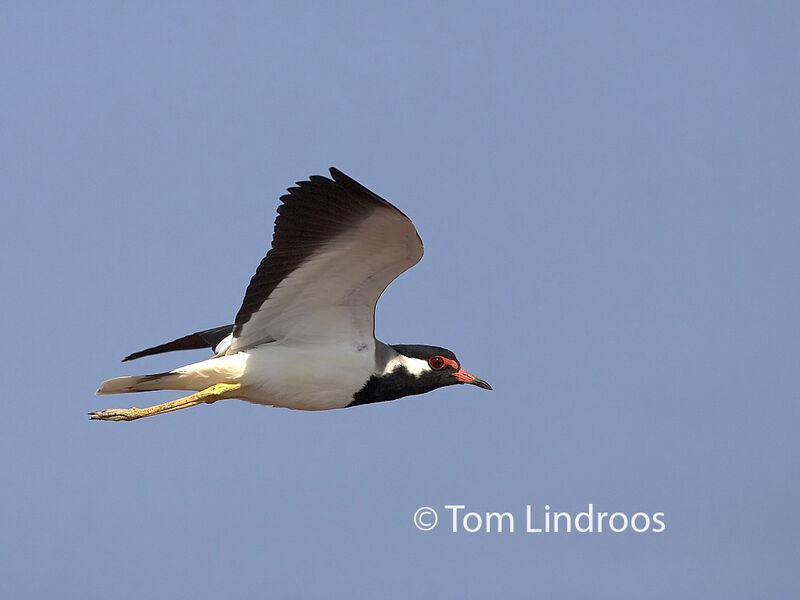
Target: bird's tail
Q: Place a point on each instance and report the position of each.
(197, 376)
(142, 383)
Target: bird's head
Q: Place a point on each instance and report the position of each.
(435, 367)
(411, 370)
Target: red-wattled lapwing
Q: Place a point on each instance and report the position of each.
(304, 337)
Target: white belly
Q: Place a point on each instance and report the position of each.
(303, 377)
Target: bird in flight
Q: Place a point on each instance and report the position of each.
(304, 337)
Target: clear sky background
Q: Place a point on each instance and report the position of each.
(608, 196)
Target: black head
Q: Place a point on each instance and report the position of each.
(416, 369)
(437, 366)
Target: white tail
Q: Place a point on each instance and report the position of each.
(197, 376)
(141, 383)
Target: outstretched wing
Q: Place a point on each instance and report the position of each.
(336, 247)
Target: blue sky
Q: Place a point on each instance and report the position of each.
(608, 196)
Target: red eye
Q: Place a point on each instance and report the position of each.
(436, 362)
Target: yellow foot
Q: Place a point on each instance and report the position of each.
(116, 414)
(209, 395)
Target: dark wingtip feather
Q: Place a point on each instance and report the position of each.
(347, 181)
(195, 341)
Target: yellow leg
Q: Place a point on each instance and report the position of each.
(209, 395)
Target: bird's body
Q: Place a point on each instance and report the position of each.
(308, 378)
(281, 374)
(304, 336)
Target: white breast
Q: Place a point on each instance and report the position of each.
(306, 377)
